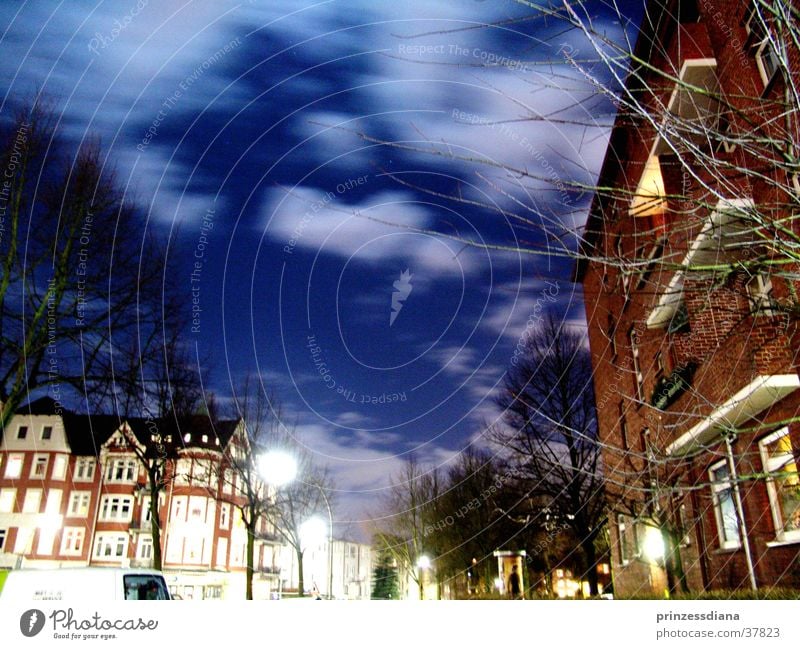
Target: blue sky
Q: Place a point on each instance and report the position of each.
(235, 127)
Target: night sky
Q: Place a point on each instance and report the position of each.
(236, 129)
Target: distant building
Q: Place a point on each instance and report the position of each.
(352, 569)
(696, 374)
(72, 493)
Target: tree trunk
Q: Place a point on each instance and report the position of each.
(155, 525)
(301, 587)
(251, 543)
(590, 554)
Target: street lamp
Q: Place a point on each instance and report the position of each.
(423, 563)
(279, 468)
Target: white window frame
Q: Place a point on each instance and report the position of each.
(224, 516)
(112, 541)
(759, 295)
(84, 469)
(27, 503)
(717, 487)
(112, 509)
(69, 538)
(60, 464)
(22, 432)
(37, 462)
(14, 465)
(772, 466)
(50, 433)
(637, 369)
(8, 495)
(81, 498)
(144, 549)
(122, 470)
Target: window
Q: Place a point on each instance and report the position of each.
(224, 516)
(178, 508)
(47, 432)
(22, 432)
(60, 467)
(79, 504)
(145, 550)
(110, 546)
(724, 507)
(759, 294)
(14, 465)
(33, 499)
(72, 540)
(8, 498)
(39, 467)
(628, 539)
(637, 370)
(121, 470)
(3, 536)
(183, 471)
(763, 44)
(116, 508)
(783, 484)
(84, 469)
(145, 587)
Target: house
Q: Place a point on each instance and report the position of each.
(689, 307)
(74, 492)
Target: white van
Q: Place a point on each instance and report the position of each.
(84, 584)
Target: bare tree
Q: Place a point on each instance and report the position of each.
(74, 264)
(550, 432)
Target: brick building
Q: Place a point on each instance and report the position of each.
(692, 321)
(73, 493)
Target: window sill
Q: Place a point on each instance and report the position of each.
(727, 550)
(780, 544)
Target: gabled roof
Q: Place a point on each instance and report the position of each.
(87, 433)
(41, 406)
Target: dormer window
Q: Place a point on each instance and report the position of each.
(22, 432)
(47, 432)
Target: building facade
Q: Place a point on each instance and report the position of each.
(74, 492)
(691, 306)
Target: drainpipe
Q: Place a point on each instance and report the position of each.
(740, 512)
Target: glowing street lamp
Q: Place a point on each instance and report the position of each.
(653, 544)
(277, 467)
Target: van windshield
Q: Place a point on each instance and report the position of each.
(145, 587)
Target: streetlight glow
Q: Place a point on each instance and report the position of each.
(423, 562)
(313, 531)
(277, 467)
(653, 545)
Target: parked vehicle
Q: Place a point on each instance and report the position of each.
(84, 584)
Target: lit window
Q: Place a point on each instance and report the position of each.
(178, 508)
(7, 499)
(22, 432)
(60, 467)
(116, 508)
(79, 503)
(84, 469)
(32, 502)
(783, 484)
(47, 432)
(121, 470)
(14, 466)
(724, 506)
(39, 467)
(759, 294)
(72, 540)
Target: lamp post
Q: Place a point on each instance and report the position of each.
(423, 563)
(279, 468)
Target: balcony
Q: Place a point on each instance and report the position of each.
(722, 240)
(750, 401)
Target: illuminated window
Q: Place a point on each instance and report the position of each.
(8, 498)
(783, 484)
(59, 467)
(14, 466)
(724, 507)
(32, 502)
